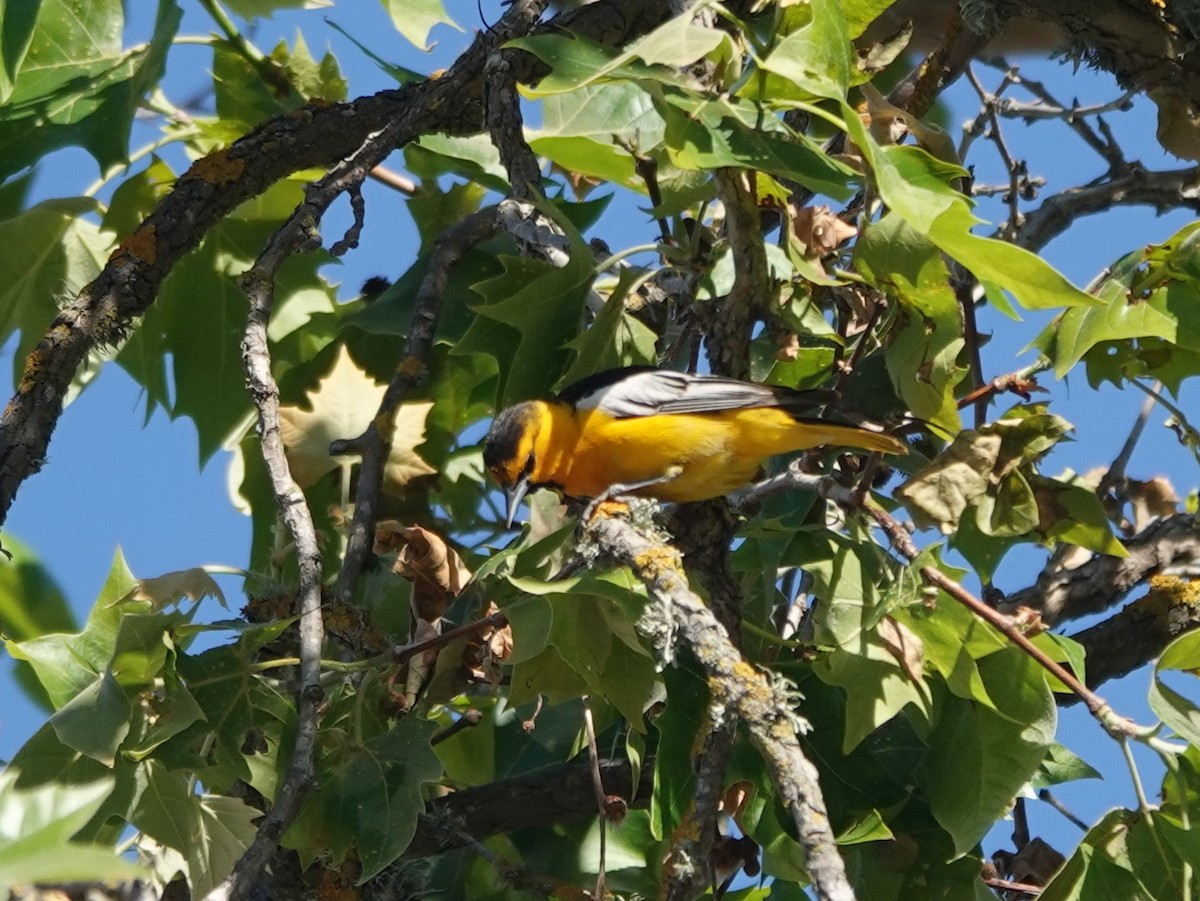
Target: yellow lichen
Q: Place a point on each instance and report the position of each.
(1173, 590)
(654, 562)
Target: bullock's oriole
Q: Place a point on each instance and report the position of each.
(658, 433)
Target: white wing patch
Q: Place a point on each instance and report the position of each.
(663, 391)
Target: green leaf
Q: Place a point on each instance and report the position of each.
(1007, 509)
(31, 605)
(36, 826)
(588, 623)
(868, 828)
(17, 21)
(981, 756)
(68, 664)
(1117, 860)
(221, 683)
(50, 250)
(583, 131)
(615, 338)
(704, 134)
(371, 793)
(96, 720)
(1062, 765)
(922, 356)
(917, 187)
(817, 56)
(416, 18)
(876, 686)
(529, 314)
(1069, 511)
(211, 832)
(203, 341)
(1178, 712)
(76, 86)
(861, 13)
(577, 62)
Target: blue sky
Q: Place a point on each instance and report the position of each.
(108, 482)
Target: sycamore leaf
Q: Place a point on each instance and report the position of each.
(36, 825)
(342, 407)
(171, 588)
(938, 494)
(416, 18)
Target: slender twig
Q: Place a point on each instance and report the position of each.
(466, 720)
(1110, 151)
(1020, 382)
(1016, 109)
(589, 728)
(375, 443)
(1004, 885)
(1015, 168)
(964, 290)
(407, 652)
(1048, 797)
(395, 180)
(1020, 834)
(1116, 472)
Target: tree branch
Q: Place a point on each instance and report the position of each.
(1163, 191)
(1135, 635)
(738, 688)
(375, 443)
(1060, 595)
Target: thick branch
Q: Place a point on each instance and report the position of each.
(1163, 191)
(1060, 595)
(1133, 637)
(537, 799)
(1133, 41)
(737, 687)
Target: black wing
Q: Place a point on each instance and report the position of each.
(645, 391)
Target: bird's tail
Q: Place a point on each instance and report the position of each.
(817, 432)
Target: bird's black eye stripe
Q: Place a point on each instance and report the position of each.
(527, 469)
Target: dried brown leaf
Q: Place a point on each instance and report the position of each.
(171, 588)
(424, 558)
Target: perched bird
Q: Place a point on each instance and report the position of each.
(658, 433)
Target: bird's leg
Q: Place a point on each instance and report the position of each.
(615, 491)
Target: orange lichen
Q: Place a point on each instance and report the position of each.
(217, 168)
(142, 245)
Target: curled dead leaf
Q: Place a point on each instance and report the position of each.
(435, 569)
(820, 231)
(170, 588)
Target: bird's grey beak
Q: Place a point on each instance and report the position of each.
(516, 493)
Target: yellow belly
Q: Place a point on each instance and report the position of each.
(697, 456)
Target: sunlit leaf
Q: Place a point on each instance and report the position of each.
(342, 408)
(416, 18)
